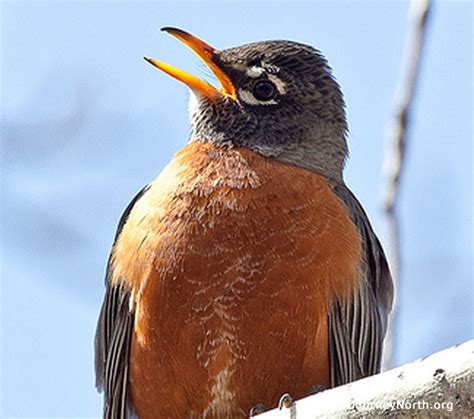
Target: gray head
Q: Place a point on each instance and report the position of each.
(278, 98)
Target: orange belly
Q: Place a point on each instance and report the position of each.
(232, 260)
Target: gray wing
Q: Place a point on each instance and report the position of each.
(357, 329)
(112, 341)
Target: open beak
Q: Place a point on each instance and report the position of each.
(205, 53)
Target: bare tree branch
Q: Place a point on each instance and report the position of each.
(397, 139)
(438, 386)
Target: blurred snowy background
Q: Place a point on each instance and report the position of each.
(86, 122)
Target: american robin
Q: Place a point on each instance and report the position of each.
(247, 269)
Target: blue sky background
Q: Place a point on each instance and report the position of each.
(86, 122)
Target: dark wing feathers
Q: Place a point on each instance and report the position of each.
(357, 329)
(112, 340)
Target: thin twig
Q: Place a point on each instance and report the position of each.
(397, 139)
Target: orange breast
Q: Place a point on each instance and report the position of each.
(232, 260)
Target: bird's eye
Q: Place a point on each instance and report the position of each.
(264, 90)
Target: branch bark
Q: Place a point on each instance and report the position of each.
(397, 139)
(438, 386)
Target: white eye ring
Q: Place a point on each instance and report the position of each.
(264, 90)
(255, 71)
(280, 85)
(248, 97)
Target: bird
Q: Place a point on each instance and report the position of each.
(247, 269)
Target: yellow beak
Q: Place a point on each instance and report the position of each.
(205, 53)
